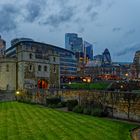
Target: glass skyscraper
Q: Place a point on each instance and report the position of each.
(106, 57)
(88, 50)
(73, 42)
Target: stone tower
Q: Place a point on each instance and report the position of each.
(2, 47)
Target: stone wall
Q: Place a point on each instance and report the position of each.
(7, 95)
(118, 104)
(7, 74)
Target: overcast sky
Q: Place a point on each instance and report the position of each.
(112, 24)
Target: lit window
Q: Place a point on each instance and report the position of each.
(39, 67)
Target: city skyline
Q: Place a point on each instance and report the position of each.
(106, 24)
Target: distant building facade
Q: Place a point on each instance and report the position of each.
(135, 68)
(103, 67)
(109, 72)
(88, 51)
(97, 60)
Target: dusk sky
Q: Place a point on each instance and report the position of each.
(112, 24)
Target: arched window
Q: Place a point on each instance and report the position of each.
(54, 59)
(39, 67)
(30, 67)
(30, 55)
(54, 68)
(45, 68)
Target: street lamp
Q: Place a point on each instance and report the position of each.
(17, 92)
(88, 82)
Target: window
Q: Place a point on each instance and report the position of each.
(39, 67)
(38, 56)
(54, 69)
(30, 56)
(30, 67)
(53, 59)
(45, 68)
(7, 68)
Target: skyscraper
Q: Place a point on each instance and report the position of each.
(106, 57)
(73, 42)
(88, 50)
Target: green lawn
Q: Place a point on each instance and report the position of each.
(19, 121)
(96, 86)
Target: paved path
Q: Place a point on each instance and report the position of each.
(136, 134)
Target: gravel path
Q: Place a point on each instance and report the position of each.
(136, 134)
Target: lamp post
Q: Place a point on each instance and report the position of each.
(88, 82)
(126, 76)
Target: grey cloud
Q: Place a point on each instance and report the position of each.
(110, 4)
(95, 3)
(65, 15)
(93, 15)
(8, 17)
(81, 30)
(131, 31)
(129, 49)
(91, 6)
(116, 29)
(34, 9)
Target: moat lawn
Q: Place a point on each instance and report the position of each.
(19, 121)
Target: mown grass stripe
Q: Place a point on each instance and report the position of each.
(4, 132)
(80, 129)
(31, 122)
(42, 128)
(50, 129)
(25, 125)
(34, 124)
(71, 132)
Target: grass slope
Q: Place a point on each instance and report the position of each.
(20, 121)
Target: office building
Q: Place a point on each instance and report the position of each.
(88, 51)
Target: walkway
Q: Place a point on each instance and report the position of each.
(136, 134)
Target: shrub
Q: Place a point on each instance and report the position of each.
(71, 104)
(78, 109)
(96, 112)
(54, 100)
(64, 104)
(59, 105)
(87, 111)
(52, 106)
